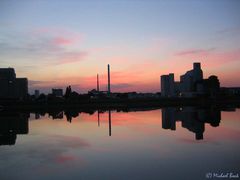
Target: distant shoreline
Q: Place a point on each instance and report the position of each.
(95, 104)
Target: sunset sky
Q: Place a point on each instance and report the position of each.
(55, 43)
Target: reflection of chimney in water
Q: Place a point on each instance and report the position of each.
(110, 122)
(98, 118)
(109, 86)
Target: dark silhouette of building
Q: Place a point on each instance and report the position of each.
(57, 92)
(188, 80)
(210, 86)
(12, 87)
(191, 84)
(36, 93)
(167, 85)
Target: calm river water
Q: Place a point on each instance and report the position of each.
(167, 143)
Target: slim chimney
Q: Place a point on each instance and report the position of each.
(97, 83)
(109, 90)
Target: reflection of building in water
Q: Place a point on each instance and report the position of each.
(37, 116)
(56, 114)
(71, 114)
(12, 124)
(192, 118)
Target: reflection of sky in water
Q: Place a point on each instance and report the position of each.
(138, 149)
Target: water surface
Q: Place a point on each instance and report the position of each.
(168, 143)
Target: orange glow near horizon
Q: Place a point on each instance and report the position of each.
(132, 68)
(142, 77)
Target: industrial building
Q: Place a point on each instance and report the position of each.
(57, 92)
(12, 87)
(95, 93)
(36, 93)
(167, 85)
(188, 80)
(191, 84)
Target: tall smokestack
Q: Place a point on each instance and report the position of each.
(109, 89)
(97, 83)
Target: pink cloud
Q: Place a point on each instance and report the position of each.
(71, 57)
(62, 41)
(52, 44)
(227, 31)
(210, 56)
(224, 57)
(59, 36)
(191, 52)
(56, 31)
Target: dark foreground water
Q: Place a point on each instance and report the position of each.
(168, 143)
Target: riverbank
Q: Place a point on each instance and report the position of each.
(108, 103)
